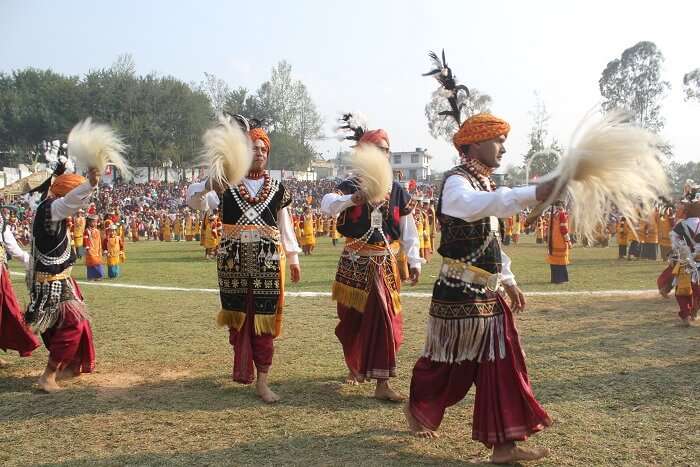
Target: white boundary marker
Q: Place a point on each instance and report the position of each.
(561, 293)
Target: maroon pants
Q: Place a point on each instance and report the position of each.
(371, 339)
(14, 333)
(505, 408)
(249, 349)
(688, 305)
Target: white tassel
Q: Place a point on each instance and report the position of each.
(372, 168)
(610, 164)
(97, 146)
(227, 153)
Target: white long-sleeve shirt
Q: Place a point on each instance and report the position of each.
(693, 225)
(199, 198)
(13, 248)
(333, 204)
(461, 200)
(69, 204)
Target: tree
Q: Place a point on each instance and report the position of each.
(216, 89)
(288, 153)
(691, 85)
(541, 157)
(634, 82)
(445, 127)
(678, 173)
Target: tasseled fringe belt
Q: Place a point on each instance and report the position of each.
(476, 339)
(358, 264)
(51, 297)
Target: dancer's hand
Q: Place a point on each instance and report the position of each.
(544, 190)
(295, 272)
(516, 296)
(358, 198)
(93, 176)
(414, 276)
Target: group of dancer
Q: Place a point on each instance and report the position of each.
(471, 334)
(471, 337)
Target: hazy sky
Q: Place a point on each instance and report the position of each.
(368, 55)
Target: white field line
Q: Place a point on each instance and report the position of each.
(561, 293)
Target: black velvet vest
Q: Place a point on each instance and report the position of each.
(52, 252)
(354, 222)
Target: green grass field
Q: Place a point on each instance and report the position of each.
(618, 376)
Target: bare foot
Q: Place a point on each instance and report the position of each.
(66, 374)
(48, 384)
(265, 393)
(516, 454)
(415, 427)
(385, 392)
(351, 380)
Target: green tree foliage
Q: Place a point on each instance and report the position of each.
(160, 118)
(691, 85)
(287, 112)
(634, 82)
(541, 157)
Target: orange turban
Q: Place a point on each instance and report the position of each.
(65, 183)
(258, 133)
(480, 127)
(375, 137)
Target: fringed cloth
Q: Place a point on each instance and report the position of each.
(51, 295)
(251, 260)
(14, 333)
(359, 263)
(371, 325)
(505, 407)
(57, 302)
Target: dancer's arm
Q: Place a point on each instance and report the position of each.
(461, 200)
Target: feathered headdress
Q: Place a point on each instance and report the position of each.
(97, 146)
(611, 163)
(448, 86)
(227, 153)
(352, 126)
(373, 171)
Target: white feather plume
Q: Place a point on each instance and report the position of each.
(227, 153)
(610, 164)
(372, 168)
(96, 145)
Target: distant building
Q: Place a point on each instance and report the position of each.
(324, 168)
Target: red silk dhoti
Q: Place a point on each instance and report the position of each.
(505, 408)
(14, 333)
(250, 349)
(371, 339)
(69, 341)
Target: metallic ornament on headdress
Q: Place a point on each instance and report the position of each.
(449, 87)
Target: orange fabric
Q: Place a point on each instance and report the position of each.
(65, 183)
(559, 245)
(480, 127)
(93, 253)
(375, 137)
(258, 133)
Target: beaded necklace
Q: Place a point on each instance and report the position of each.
(262, 194)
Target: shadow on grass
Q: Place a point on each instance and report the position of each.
(365, 447)
(184, 395)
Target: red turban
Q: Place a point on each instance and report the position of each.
(375, 137)
(480, 127)
(258, 133)
(65, 183)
